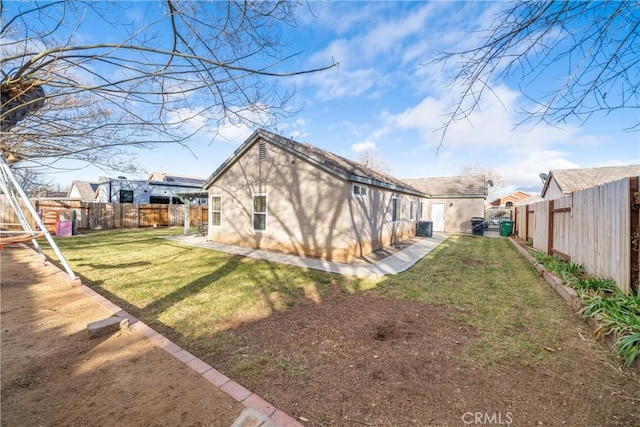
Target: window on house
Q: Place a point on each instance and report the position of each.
(262, 151)
(395, 209)
(412, 209)
(423, 210)
(216, 210)
(359, 190)
(158, 200)
(260, 212)
(126, 196)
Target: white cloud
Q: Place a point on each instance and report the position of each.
(366, 59)
(361, 147)
(344, 83)
(208, 129)
(490, 137)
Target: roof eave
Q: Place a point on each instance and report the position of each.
(458, 196)
(376, 183)
(292, 150)
(230, 160)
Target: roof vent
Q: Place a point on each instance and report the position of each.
(263, 151)
(122, 177)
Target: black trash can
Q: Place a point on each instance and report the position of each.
(477, 226)
(424, 229)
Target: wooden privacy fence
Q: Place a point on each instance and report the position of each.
(598, 227)
(93, 216)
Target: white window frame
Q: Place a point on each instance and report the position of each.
(265, 213)
(212, 211)
(397, 202)
(357, 191)
(423, 209)
(412, 209)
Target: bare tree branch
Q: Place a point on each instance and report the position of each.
(598, 41)
(159, 77)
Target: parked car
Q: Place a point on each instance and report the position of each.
(492, 222)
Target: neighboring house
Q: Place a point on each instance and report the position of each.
(510, 200)
(278, 194)
(83, 190)
(162, 189)
(561, 182)
(453, 200)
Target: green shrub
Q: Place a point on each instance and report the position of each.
(617, 314)
(629, 348)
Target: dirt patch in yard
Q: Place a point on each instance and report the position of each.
(53, 375)
(373, 361)
(349, 360)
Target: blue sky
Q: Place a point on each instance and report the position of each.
(386, 96)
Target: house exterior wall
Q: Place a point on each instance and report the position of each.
(514, 198)
(553, 191)
(309, 211)
(457, 213)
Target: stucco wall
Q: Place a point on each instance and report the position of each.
(310, 212)
(458, 213)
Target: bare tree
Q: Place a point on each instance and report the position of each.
(597, 40)
(33, 184)
(496, 180)
(371, 159)
(82, 81)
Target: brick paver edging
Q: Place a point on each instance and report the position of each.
(565, 292)
(215, 377)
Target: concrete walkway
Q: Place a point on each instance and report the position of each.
(393, 264)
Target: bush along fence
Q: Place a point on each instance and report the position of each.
(90, 215)
(614, 315)
(597, 228)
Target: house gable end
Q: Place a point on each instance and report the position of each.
(328, 162)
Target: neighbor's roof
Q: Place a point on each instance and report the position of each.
(466, 186)
(571, 180)
(518, 195)
(86, 189)
(332, 163)
(178, 179)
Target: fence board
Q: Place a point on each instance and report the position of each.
(540, 232)
(600, 231)
(562, 230)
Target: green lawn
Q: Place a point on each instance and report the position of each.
(191, 294)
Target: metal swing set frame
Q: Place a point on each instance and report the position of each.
(14, 192)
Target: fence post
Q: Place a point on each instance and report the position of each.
(550, 228)
(634, 233)
(526, 223)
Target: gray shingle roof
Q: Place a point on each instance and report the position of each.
(333, 163)
(451, 186)
(570, 180)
